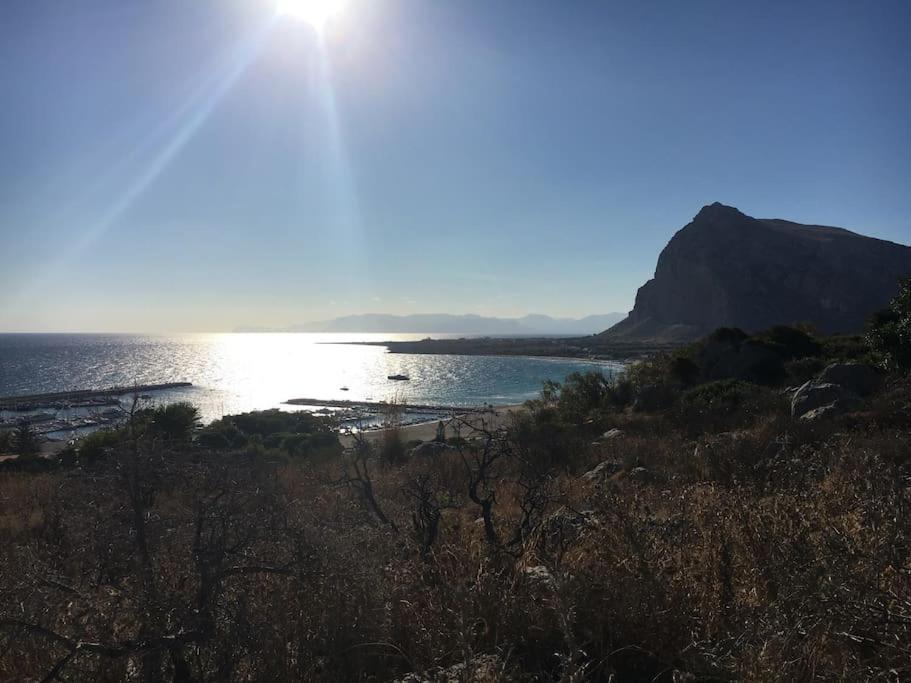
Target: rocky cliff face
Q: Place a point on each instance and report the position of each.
(728, 269)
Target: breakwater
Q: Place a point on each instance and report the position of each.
(41, 400)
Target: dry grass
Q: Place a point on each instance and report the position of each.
(778, 551)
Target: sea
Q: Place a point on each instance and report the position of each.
(238, 372)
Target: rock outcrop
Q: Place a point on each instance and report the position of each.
(602, 471)
(862, 379)
(816, 395)
(726, 269)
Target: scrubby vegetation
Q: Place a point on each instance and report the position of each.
(295, 434)
(890, 331)
(675, 525)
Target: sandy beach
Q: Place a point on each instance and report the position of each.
(426, 431)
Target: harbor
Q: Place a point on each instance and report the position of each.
(82, 397)
(64, 415)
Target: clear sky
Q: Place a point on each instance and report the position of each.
(196, 165)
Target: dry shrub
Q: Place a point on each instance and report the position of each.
(779, 551)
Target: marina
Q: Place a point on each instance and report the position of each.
(65, 415)
(83, 397)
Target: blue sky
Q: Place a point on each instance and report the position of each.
(171, 165)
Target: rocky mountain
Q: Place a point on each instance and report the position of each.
(454, 324)
(729, 269)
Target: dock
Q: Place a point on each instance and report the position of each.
(40, 400)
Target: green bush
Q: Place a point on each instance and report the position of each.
(803, 369)
(581, 397)
(318, 444)
(542, 437)
(651, 371)
(889, 332)
(768, 371)
(221, 435)
(848, 348)
(96, 444)
(295, 433)
(723, 396)
(684, 370)
(176, 421)
(25, 440)
(791, 342)
(731, 336)
(267, 422)
(725, 405)
(6, 441)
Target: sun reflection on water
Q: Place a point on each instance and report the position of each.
(234, 373)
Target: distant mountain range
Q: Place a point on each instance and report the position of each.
(453, 324)
(726, 269)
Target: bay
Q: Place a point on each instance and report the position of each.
(233, 373)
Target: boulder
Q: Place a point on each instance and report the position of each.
(859, 378)
(538, 574)
(609, 435)
(814, 395)
(822, 412)
(602, 471)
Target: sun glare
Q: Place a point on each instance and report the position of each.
(314, 12)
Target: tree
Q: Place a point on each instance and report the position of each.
(176, 421)
(441, 433)
(25, 440)
(889, 332)
(356, 475)
(480, 462)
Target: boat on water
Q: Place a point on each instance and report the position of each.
(398, 378)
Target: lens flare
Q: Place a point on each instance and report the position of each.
(315, 12)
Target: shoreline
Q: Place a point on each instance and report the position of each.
(590, 349)
(379, 405)
(426, 431)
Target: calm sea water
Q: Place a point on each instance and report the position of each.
(233, 373)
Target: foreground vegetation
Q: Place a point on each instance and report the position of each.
(677, 525)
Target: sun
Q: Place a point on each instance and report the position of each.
(314, 12)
